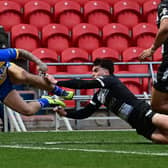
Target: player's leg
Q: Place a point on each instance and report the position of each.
(19, 76)
(159, 101)
(159, 136)
(16, 102)
(160, 88)
(160, 121)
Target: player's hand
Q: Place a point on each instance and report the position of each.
(60, 111)
(42, 67)
(146, 54)
(50, 79)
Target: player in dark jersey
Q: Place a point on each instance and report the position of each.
(118, 99)
(11, 74)
(160, 89)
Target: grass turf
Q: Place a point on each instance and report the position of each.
(80, 149)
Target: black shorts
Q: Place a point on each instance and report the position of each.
(142, 124)
(162, 76)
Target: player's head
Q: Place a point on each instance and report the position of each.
(3, 38)
(102, 66)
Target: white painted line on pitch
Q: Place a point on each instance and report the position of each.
(85, 150)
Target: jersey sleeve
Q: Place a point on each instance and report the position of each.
(87, 111)
(108, 81)
(8, 54)
(80, 84)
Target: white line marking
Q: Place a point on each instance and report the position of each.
(85, 150)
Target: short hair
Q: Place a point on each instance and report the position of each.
(104, 63)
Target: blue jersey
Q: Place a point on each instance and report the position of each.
(6, 55)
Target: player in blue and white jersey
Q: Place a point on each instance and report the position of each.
(11, 74)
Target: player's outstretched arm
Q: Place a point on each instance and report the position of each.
(29, 56)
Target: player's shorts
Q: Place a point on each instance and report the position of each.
(5, 88)
(142, 124)
(162, 76)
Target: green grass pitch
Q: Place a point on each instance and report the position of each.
(80, 149)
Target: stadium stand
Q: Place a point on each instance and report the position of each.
(127, 12)
(82, 31)
(109, 53)
(12, 10)
(86, 36)
(116, 36)
(140, 1)
(158, 55)
(55, 37)
(134, 84)
(47, 56)
(131, 55)
(150, 11)
(75, 55)
(25, 36)
(97, 13)
(110, 2)
(144, 32)
(21, 2)
(37, 13)
(68, 13)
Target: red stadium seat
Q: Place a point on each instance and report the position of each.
(133, 84)
(105, 52)
(86, 36)
(37, 13)
(97, 13)
(110, 2)
(47, 56)
(55, 37)
(158, 55)
(150, 10)
(51, 2)
(131, 55)
(68, 13)
(25, 36)
(10, 14)
(144, 34)
(141, 2)
(127, 12)
(75, 55)
(21, 2)
(82, 2)
(116, 36)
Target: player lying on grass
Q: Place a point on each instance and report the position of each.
(11, 74)
(118, 99)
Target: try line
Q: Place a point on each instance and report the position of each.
(85, 150)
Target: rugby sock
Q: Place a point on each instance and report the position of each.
(43, 102)
(59, 92)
